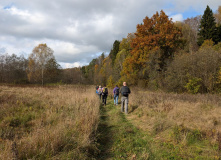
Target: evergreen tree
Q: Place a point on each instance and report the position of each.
(207, 28)
(114, 51)
(219, 33)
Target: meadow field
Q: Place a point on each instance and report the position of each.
(48, 123)
(183, 126)
(69, 122)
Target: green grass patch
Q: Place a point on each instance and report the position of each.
(119, 139)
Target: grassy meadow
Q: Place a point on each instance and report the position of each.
(183, 126)
(68, 122)
(48, 123)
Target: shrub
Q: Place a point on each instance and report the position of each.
(203, 65)
(193, 85)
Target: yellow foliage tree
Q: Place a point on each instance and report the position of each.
(217, 15)
(219, 76)
(110, 82)
(38, 59)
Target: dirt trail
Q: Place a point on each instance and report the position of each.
(118, 138)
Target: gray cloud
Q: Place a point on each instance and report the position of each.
(2, 50)
(79, 29)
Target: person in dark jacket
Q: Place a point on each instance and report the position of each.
(104, 95)
(125, 91)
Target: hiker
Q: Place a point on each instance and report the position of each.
(99, 90)
(104, 95)
(116, 95)
(125, 91)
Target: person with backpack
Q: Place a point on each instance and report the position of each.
(116, 95)
(99, 90)
(104, 95)
(125, 91)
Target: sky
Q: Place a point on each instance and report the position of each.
(80, 30)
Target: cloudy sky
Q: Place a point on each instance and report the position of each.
(80, 30)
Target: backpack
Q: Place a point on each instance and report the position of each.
(125, 91)
(125, 94)
(117, 91)
(99, 90)
(105, 91)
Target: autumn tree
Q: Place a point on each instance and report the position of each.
(124, 49)
(217, 16)
(97, 75)
(91, 72)
(39, 59)
(207, 28)
(110, 82)
(118, 64)
(106, 70)
(157, 33)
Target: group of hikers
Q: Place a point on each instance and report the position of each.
(124, 91)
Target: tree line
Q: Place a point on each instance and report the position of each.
(161, 54)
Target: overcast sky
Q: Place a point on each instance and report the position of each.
(80, 30)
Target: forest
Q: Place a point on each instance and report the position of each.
(160, 54)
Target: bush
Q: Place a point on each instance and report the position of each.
(21, 81)
(193, 85)
(203, 65)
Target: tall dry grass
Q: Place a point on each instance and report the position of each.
(48, 123)
(182, 120)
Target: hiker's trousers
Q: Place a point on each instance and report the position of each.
(116, 99)
(104, 99)
(124, 104)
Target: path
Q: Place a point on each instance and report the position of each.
(118, 138)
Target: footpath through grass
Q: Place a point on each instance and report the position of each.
(118, 138)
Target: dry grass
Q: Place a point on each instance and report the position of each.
(42, 123)
(183, 120)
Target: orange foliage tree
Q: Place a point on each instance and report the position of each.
(157, 35)
(217, 15)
